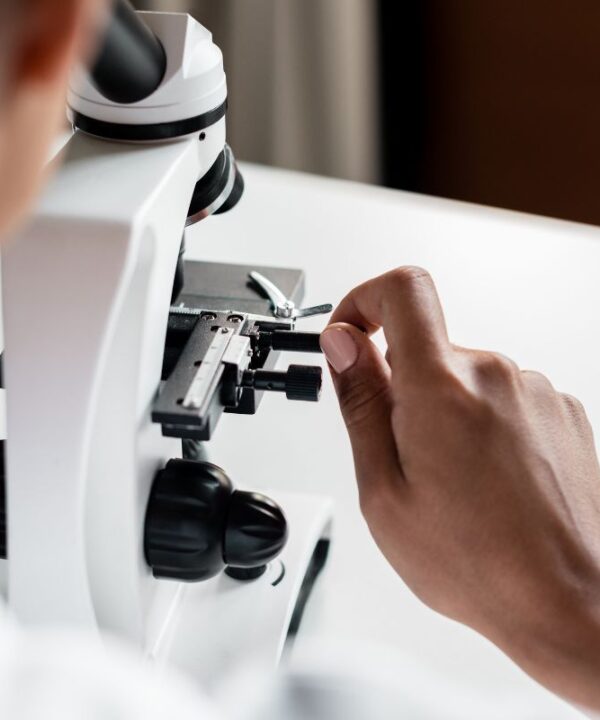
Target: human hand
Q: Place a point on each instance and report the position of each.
(479, 482)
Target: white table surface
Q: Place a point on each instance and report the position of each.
(525, 286)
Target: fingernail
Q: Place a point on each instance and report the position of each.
(339, 348)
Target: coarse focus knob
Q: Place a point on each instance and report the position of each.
(185, 520)
(196, 524)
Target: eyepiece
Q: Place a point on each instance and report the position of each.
(132, 62)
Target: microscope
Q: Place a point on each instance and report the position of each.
(121, 357)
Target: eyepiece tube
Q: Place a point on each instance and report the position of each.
(131, 63)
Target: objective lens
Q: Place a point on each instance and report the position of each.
(235, 194)
(218, 190)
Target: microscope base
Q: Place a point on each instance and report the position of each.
(218, 625)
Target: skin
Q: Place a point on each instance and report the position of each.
(40, 41)
(479, 482)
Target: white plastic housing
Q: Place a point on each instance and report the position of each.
(86, 299)
(194, 81)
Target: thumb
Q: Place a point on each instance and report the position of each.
(362, 380)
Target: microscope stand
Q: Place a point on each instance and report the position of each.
(218, 625)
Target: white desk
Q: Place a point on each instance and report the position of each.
(522, 285)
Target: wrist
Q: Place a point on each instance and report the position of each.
(559, 644)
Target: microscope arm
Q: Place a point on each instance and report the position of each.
(86, 302)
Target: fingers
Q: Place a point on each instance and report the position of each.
(362, 381)
(405, 303)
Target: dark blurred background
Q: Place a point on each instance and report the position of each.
(490, 101)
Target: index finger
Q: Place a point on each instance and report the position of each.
(404, 302)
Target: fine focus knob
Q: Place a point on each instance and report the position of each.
(196, 524)
(256, 530)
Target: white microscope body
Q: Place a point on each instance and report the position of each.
(86, 297)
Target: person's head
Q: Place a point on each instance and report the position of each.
(40, 40)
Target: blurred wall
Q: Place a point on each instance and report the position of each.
(501, 105)
(302, 77)
(489, 101)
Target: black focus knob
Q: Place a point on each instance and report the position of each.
(256, 530)
(196, 524)
(185, 519)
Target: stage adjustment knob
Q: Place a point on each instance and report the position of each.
(304, 382)
(196, 524)
(291, 340)
(298, 382)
